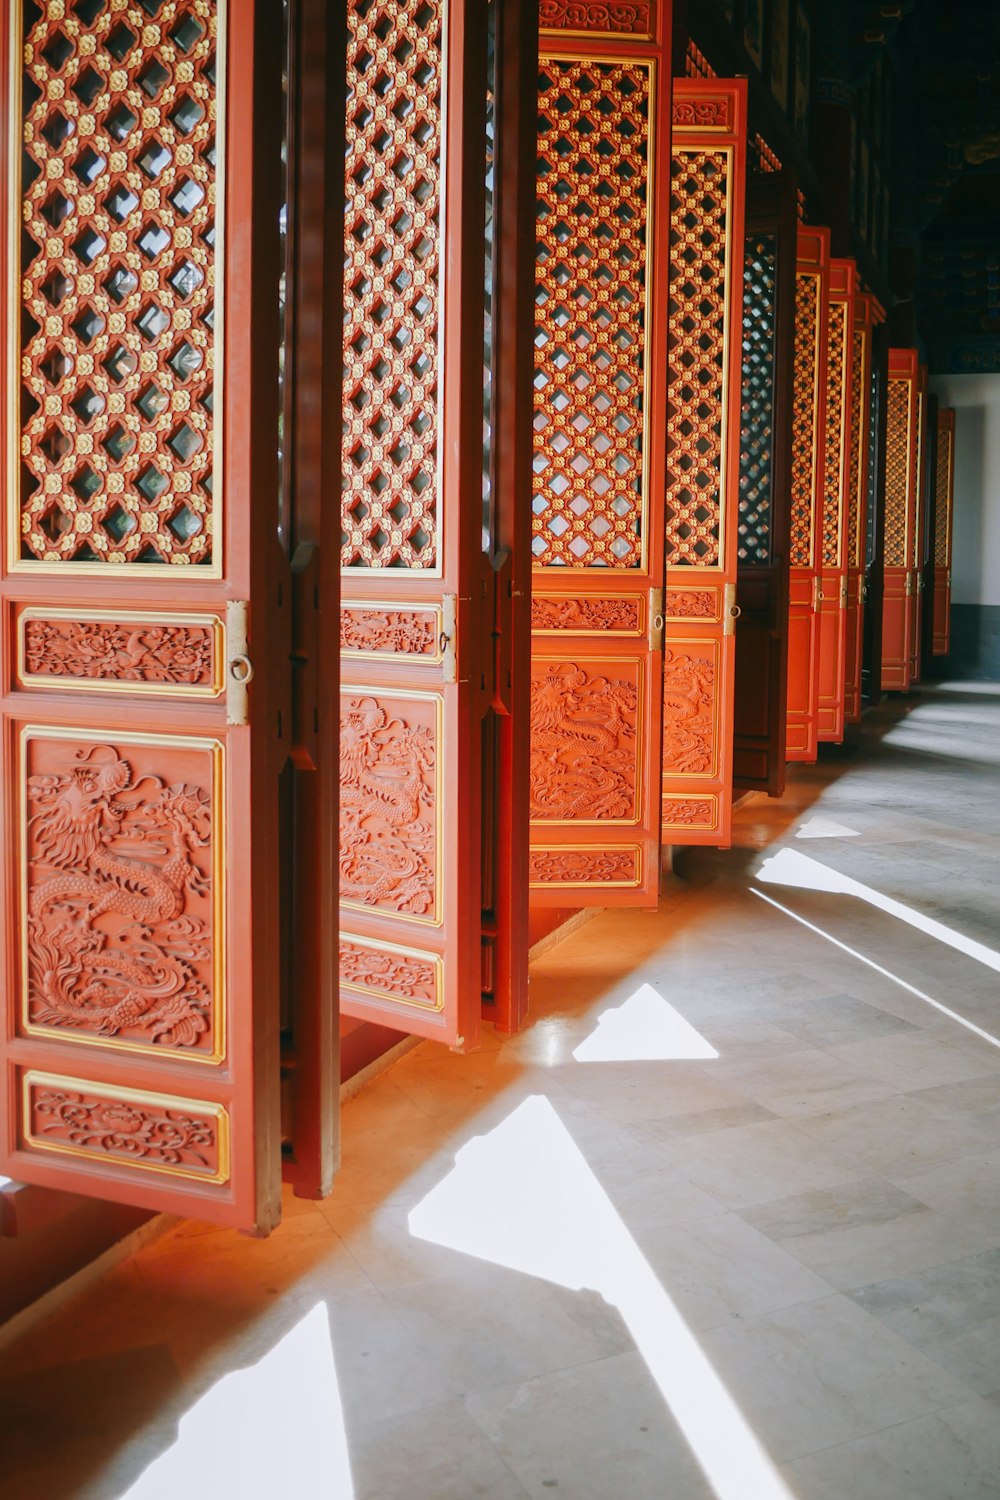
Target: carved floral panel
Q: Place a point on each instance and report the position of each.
(118, 281)
(690, 812)
(389, 800)
(689, 709)
(138, 651)
(584, 613)
(389, 973)
(74, 1118)
(585, 740)
(585, 866)
(121, 885)
(692, 604)
(393, 631)
(610, 17)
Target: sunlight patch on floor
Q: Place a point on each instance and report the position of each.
(790, 868)
(646, 1028)
(826, 828)
(267, 1430)
(524, 1197)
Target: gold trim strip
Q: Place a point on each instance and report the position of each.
(32, 1078)
(207, 621)
(66, 1035)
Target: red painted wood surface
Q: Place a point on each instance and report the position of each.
(139, 779)
(812, 315)
(833, 541)
(701, 520)
(898, 604)
(765, 484)
(944, 496)
(416, 642)
(603, 264)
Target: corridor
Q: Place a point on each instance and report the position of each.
(723, 1222)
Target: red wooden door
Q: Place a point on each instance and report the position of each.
(139, 762)
(701, 520)
(867, 312)
(920, 529)
(812, 316)
(836, 502)
(600, 365)
(765, 477)
(944, 490)
(416, 643)
(900, 519)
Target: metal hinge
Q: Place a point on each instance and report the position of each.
(843, 593)
(817, 593)
(730, 609)
(239, 668)
(656, 620)
(909, 585)
(920, 583)
(448, 638)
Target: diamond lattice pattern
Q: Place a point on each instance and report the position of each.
(117, 277)
(757, 404)
(897, 460)
(804, 417)
(590, 334)
(697, 325)
(942, 499)
(391, 291)
(833, 539)
(856, 509)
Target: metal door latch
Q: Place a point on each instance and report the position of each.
(730, 609)
(239, 668)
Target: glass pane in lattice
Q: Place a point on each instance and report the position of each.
(834, 437)
(856, 508)
(897, 457)
(757, 402)
(391, 289)
(804, 418)
(942, 499)
(696, 406)
(590, 314)
(117, 279)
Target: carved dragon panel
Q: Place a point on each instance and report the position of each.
(121, 884)
(77, 1119)
(585, 614)
(689, 710)
(584, 740)
(147, 651)
(389, 749)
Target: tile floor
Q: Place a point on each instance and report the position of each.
(762, 1263)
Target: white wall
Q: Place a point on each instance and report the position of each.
(976, 550)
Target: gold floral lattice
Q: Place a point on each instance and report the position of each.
(590, 336)
(833, 456)
(757, 404)
(942, 499)
(897, 469)
(858, 494)
(117, 276)
(697, 327)
(391, 284)
(804, 417)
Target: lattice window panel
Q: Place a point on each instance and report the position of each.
(392, 293)
(762, 158)
(834, 437)
(876, 458)
(897, 462)
(590, 319)
(117, 281)
(856, 508)
(804, 419)
(942, 500)
(757, 403)
(696, 410)
(915, 558)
